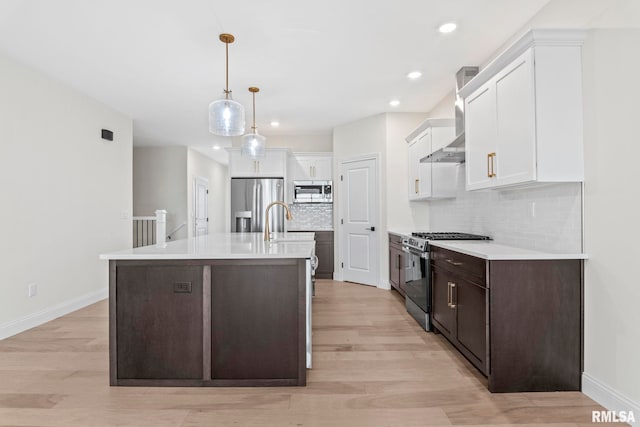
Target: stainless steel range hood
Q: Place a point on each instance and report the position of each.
(454, 151)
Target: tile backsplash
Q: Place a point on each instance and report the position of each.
(546, 217)
(311, 216)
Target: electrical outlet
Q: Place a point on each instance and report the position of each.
(32, 290)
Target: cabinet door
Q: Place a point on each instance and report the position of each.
(301, 168)
(515, 160)
(470, 302)
(480, 136)
(443, 314)
(241, 166)
(159, 322)
(322, 168)
(414, 176)
(272, 165)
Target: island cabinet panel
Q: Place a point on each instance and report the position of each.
(159, 328)
(203, 322)
(255, 333)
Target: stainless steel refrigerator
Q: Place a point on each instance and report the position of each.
(249, 199)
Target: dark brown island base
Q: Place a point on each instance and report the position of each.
(211, 322)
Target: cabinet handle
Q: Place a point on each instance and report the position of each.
(448, 294)
(416, 185)
(453, 304)
(491, 171)
(489, 165)
(258, 165)
(452, 262)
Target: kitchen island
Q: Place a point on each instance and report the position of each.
(224, 309)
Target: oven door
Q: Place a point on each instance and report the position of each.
(417, 286)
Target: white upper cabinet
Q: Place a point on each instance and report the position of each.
(272, 165)
(429, 180)
(311, 167)
(523, 114)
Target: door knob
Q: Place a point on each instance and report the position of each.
(371, 228)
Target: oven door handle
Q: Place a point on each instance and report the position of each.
(424, 255)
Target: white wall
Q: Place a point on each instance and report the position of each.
(384, 135)
(361, 138)
(612, 291)
(66, 196)
(160, 182)
(402, 215)
(302, 143)
(218, 177)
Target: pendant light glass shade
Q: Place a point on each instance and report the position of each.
(226, 116)
(253, 145)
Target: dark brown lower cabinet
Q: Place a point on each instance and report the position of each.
(396, 263)
(324, 252)
(518, 321)
(460, 314)
(207, 322)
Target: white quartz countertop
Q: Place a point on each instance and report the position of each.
(224, 246)
(495, 251)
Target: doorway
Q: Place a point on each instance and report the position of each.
(200, 206)
(359, 222)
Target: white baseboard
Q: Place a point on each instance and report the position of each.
(608, 397)
(35, 319)
(384, 284)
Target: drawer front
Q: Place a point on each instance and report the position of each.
(394, 238)
(470, 267)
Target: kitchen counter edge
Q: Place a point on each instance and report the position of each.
(498, 252)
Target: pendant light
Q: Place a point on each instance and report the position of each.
(253, 145)
(226, 116)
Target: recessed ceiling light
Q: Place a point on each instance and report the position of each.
(216, 147)
(414, 75)
(394, 102)
(448, 27)
(275, 124)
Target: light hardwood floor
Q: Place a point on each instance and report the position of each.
(373, 366)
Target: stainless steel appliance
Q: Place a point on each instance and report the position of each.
(312, 192)
(249, 199)
(418, 272)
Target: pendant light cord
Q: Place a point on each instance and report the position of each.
(226, 91)
(254, 113)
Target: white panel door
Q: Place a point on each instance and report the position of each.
(360, 228)
(200, 209)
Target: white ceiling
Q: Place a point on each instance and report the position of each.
(318, 64)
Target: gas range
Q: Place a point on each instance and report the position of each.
(419, 241)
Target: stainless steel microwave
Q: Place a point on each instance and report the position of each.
(312, 192)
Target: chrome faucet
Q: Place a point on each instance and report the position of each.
(267, 234)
